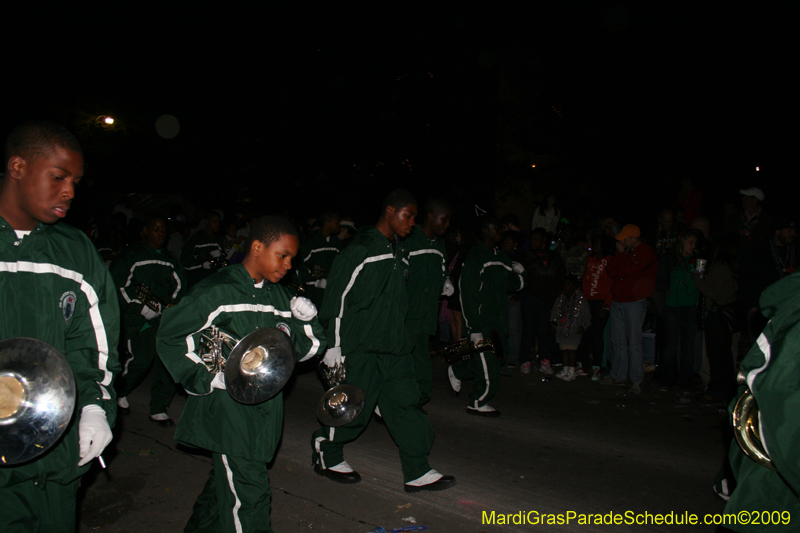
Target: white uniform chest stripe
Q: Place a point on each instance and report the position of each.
(153, 262)
(495, 263)
(315, 250)
(91, 297)
(356, 272)
(236, 308)
(426, 251)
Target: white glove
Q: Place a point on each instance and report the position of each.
(94, 433)
(448, 289)
(207, 265)
(302, 308)
(320, 283)
(219, 381)
(333, 356)
(150, 314)
(215, 253)
(476, 337)
(517, 267)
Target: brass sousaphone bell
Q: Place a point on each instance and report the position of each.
(37, 398)
(258, 366)
(341, 404)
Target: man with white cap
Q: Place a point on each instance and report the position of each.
(754, 225)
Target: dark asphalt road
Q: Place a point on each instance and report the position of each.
(558, 447)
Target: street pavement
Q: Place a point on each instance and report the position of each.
(558, 447)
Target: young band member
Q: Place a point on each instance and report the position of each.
(487, 276)
(364, 316)
(242, 438)
(426, 283)
(148, 278)
(316, 257)
(203, 251)
(54, 287)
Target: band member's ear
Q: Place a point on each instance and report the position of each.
(16, 167)
(256, 248)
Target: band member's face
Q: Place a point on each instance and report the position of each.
(335, 226)
(47, 186)
(213, 224)
(492, 232)
(401, 220)
(275, 260)
(440, 223)
(537, 242)
(155, 233)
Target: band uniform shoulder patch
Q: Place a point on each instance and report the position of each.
(67, 304)
(284, 327)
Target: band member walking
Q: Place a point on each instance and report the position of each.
(54, 287)
(148, 278)
(487, 276)
(426, 283)
(203, 253)
(364, 316)
(242, 438)
(316, 257)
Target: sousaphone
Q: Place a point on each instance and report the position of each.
(37, 398)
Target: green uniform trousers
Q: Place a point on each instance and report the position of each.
(235, 499)
(484, 370)
(422, 367)
(29, 507)
(389, 381)
(143, 357)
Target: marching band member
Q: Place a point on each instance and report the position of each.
(54, 287)
(487, 276)
(148, 278)
(364, 314)
(242, 438)
(316, 257)
(203, 251)
(426, 283)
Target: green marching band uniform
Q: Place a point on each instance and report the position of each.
(426, 274)
(55, 288)
(772, 369)
(316, 258)
(242, 438)
(364, 314)
(197, 251)
(486, 279)
(159, 271)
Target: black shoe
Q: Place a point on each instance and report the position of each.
(338, 477)
(168, 423)
(445, 482)
(124, 410)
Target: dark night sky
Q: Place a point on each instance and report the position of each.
(615, 100)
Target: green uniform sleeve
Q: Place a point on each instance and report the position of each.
(308, 338)
(516, 282)
(469, 285)
(178, 342)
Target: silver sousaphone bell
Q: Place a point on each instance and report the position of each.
(37, 398)
(342, 403)
(258, 366)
